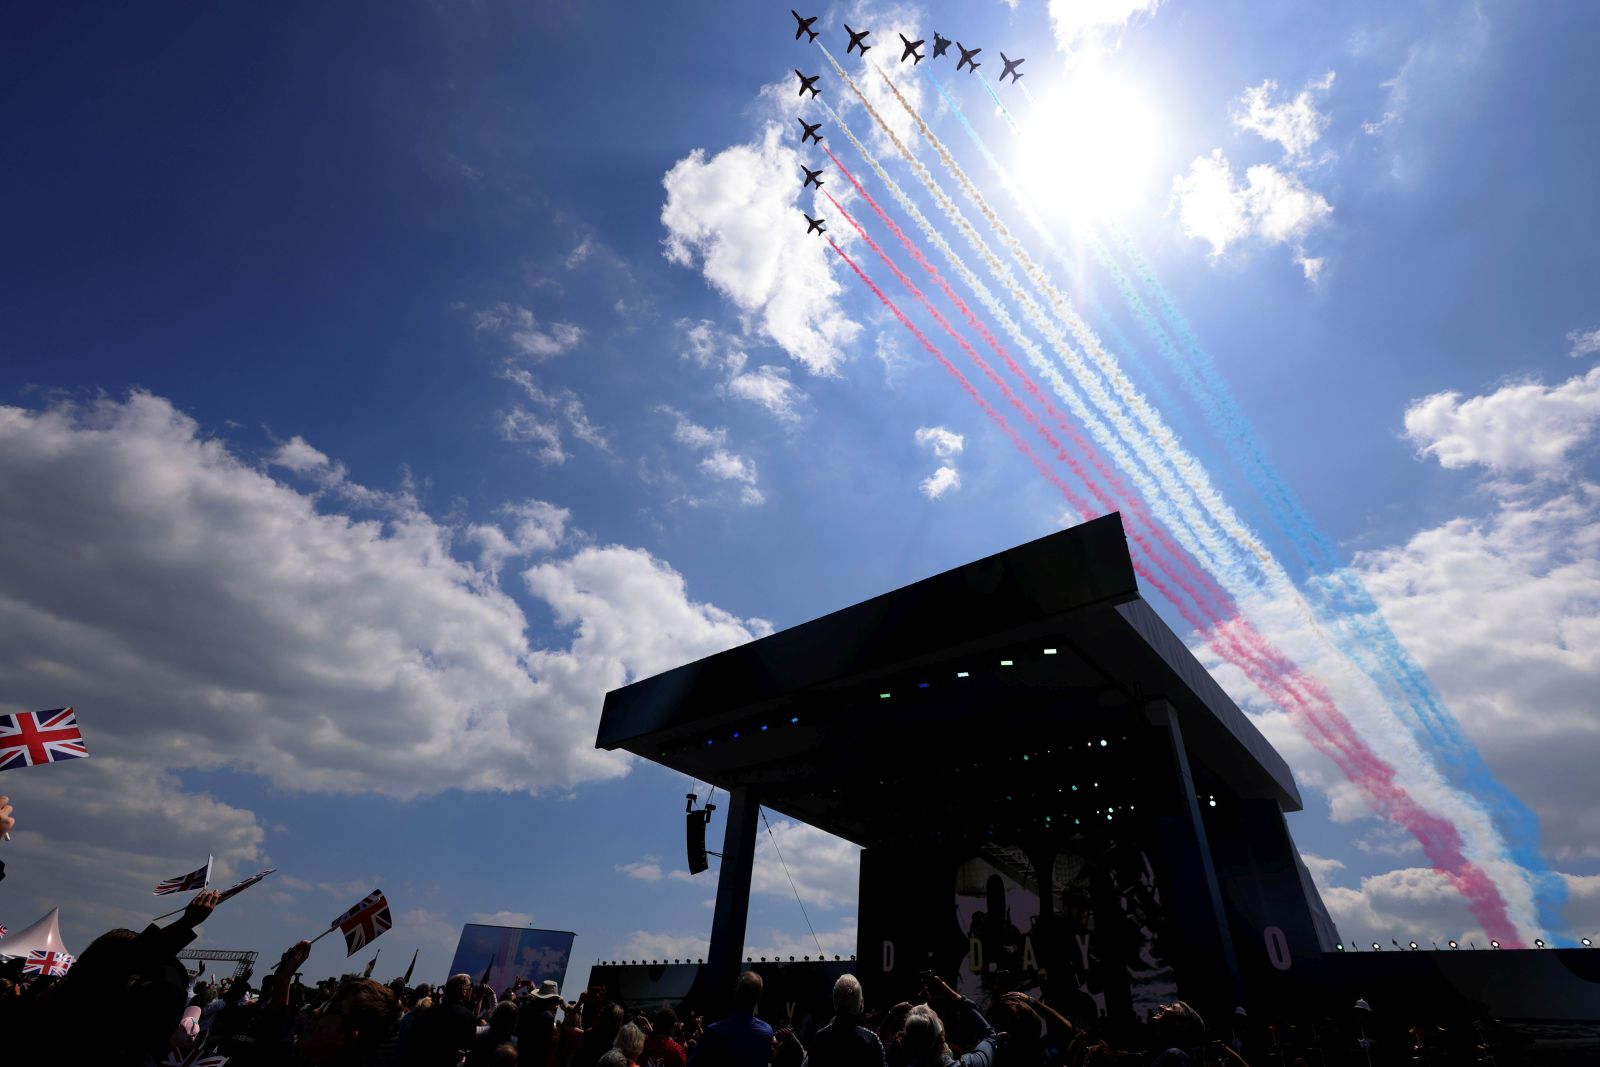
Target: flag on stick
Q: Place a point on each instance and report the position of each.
(373, 962)
(406, 980)
(363, 923)
(184, 882)
(43, 962)
(240, 886)
(28, 738)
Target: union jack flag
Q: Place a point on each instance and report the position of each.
(195, 1057)
(3, 930)
(243, 884)
(44, 962)
(364, 922)
(31, 737)
(185, 882)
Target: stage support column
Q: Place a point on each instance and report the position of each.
(1208, 969)
(724, 957)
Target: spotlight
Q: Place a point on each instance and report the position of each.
(1049, 651)
(883, 696)
(961, 674)
(1538, 942)
(1377, 947)
(1413, 945)
(1585, 942)
(1452, 944)
(1340, 946)
(1005, 663)
(794, 720)
(1493, 943)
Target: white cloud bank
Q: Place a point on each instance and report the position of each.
(1296, 124)
(1090, 27)
(201, 614)
(1270, 204)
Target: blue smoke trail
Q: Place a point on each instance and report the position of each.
(1345, 594)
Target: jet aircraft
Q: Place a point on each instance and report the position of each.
(1011, 68)
(816, 225)
(941, 45)
(808, 83)
(911, 52)
(811, 177)
(810, 131)
(804, 25)
(966, 57)
(856, 39)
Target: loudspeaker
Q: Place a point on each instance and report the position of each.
(695, 830)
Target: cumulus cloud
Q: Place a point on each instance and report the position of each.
(535, 526)
(298, 456)
(734, 215)
(946, 445)
(231, 623)
(826, 869)
(528, 338)
(1273, 205)
(770, 388)
(1295, 124)
(1095, 26)
(1583, 342)
(1526, 427)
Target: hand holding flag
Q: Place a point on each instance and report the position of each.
(197, 879)
(362, 924)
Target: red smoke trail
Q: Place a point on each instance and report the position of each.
(1235, 638)
(1137, 530)
(1120, 498)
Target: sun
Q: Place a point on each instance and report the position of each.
(1090, 146)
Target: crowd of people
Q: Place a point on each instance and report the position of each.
(129, 1000)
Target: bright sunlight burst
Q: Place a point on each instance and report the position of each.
(1090, 146)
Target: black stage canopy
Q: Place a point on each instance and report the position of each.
(849, 722)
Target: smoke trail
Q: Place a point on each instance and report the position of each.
(1194, 480)
(1418, 701)
(1297, 693)
(1181, 572)
(1005, 111)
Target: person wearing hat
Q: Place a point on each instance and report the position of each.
(536, 1023)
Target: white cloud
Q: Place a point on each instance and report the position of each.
(1094, 26)
(640, 870)
(946, 444)
(826, 869)
(523, 427)
(298, 456)
(501, 918)
(536, 526)
(1295, 124)
(1272, 205)
(734, 216)
(526, 335)
(1522, 428)
(940, 482)
(1583, 342)
(564, 402)
(717, 461)
(769, 387)
(1435, 65)
(231, 624)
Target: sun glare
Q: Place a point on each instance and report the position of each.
(1089, 147)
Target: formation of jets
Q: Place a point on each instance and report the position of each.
(909, 50)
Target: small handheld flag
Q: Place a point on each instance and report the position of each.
(45, 963)
(245, 883)
(363, 923)
(184, 882)
(28, 738)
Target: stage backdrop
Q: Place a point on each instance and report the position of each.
(512, 952)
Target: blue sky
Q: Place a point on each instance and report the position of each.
(383, 383)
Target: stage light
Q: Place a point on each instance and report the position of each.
(1211, 803)
(709, 741)
(1005, 663)
(1102, 742)
(736, 735)
(1074, 789)
(1453, 944)
(1493, 943)
(794, 720)
(961, 674)
(922, 685)
(1024, 757)
(1585, 942)
(1377, 947)
(763, 959)
(1049, 651)
(1538, 942)
(883, 696)
(1340, 946)
(1077, 822)
(1413, 945)
(763, 727)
